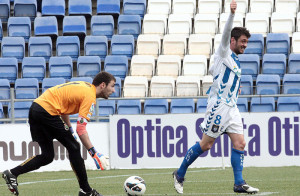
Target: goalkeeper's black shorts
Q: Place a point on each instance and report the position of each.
(43, 126)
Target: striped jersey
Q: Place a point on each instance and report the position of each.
(226, 70)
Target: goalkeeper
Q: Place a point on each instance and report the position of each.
(49, 119)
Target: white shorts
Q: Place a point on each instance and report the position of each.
(220, 118)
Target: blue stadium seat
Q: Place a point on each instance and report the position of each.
(61, 67)
(19, 27)
(9, 69)
(102, 25)
(50, 82)
(1, 112)
(106, 108)
(116, 65)
(291, 84)
(25, 8)
(68, 46)
(134, 7)
(86, 79)
(262, 104)
(88, 66)
(4, 10)
(13, 47)
(74, 25)
(131, 106)
(278, 43)
(288, 104)
(255, 45)
(201, 105)
(4, 90)
(294, 63)
(79, 7)
(1, 31)
(21, 110)
(40, 47)
(242, 104)
(267, 84)
(274, 64)
(46, 26)
(250, 64)
(27, 88)
(118, 88)
(246, 85)
(108, 7)
(129, 25)
(53, 8)
(34, 67)
(182, 106)
(156, 106)
(96, 46)
(122, 45)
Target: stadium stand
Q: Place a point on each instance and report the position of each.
(79, 7)
(282, 23)
(287, 6)
(156, 106)
(142, 65)
(291, 84)
(148, 45)
(108, 7)
(162, 82)
(74, 25)
(267, 84)
(246, 85)
(274, 64)
(118, 88)
(242, 6)
(294, 63)
(88, 66)
(21, 110)
(159, 7)
(187, 7)
(182, 106)
(194, 65)
(117, 65)
(206, 24)
(96, 46)
(61, 67)
(215, 6)
(179, 24)
(200, 44)
(262, 104)
(50, 82)
(129, 25)
(168, 65)
(68, 46)
(19, 27)
(1, 112)
(174, 44)
(40, 47)
(46, 26)
(256, 45)
(206, 83)
(34, 67)
(106, 108)
(201, 105)
(154, 24)
(257, 23)
(135, 86)
(4, 91)
(53, 8)
(134, 7)
(187, 86)
(9, 69)
(278, 43)
(288, 104)
(1, 31)
(25, 8)
(296, 42)
(13, 47)
(85, 79)
(102, 25)
(237, 22)
(131, 106)
(250, 64)
(27, 88)
(4, 10)
(262, 6)
(242, 104)
(122, 45)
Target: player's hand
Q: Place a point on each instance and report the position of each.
(73, 133)
(101, 161)
(233, 6)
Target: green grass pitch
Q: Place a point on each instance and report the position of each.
(203, 181)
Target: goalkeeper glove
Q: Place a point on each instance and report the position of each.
(73, 133)
(101, 161)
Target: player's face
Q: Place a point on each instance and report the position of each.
(241, 45)
(107, 90)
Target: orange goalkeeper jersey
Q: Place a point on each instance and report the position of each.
(69, 98)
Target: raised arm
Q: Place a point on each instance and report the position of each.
(225, 41)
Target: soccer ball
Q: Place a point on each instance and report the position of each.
(134, 185)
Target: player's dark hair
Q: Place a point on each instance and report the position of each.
(103, 76)
(237, 32)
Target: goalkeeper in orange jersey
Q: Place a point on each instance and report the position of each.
(49, 119)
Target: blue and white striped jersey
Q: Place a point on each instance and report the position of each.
(225, 70)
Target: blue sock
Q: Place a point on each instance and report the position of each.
(237, 161)
(192, 154)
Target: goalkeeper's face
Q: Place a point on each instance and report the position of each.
(105, 90)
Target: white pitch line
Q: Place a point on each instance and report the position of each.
(258, 194)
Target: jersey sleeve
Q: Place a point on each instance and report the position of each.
(87, 108)
(224, 47)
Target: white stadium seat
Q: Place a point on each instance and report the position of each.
(162, 86)
(257, 23)
(217, 41)
(282, 23)
(287, 6)
(210, 6)
(148, 45)
(179, 24)
(194, 65)
(206, 24)
(135, 86)
(142, 65)
(200, 44)
(296, 42)
(159, 7)
(262, 6)
(184, 7)
(242, 6)
(174, 45)
(206, 83)
(187, 86)
(155, 24)
(168, 65)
